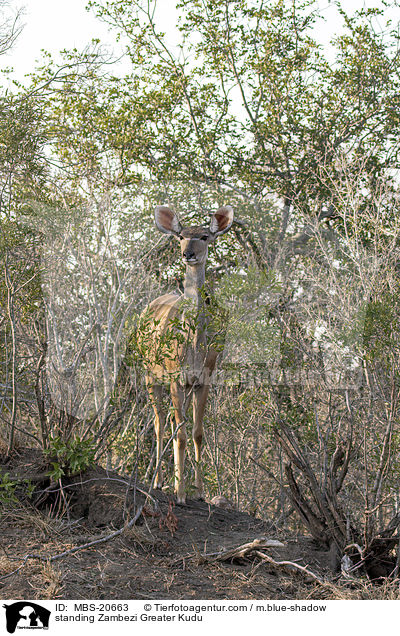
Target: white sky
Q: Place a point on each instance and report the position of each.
(54, 25)
(57, 24)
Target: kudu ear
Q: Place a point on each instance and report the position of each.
(166, 220)
(221, 221)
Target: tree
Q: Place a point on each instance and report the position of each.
(246, 100)
(22, 179)
(10, 26)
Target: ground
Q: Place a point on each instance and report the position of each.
(170, 553)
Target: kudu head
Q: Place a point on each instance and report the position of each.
(194, 240)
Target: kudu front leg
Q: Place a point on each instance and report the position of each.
(179, 401)
(199, 404)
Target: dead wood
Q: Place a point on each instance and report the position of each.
(320, 509)
(290, 567)
(245, 550)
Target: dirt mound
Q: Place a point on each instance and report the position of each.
(169, 553)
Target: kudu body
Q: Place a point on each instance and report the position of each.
(189, 358)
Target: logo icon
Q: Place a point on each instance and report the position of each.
(26, 615)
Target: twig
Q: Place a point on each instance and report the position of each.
(6, 576)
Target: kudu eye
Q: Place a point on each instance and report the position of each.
(180, 237)
(204, 238)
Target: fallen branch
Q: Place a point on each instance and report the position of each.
(237, 552)
(245, 550)
(291, 567)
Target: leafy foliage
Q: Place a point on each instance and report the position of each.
(69, 458)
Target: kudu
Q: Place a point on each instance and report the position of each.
(189, 359)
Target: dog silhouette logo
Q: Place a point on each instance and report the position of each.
(26, 615)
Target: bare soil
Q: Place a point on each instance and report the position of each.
(163, 556)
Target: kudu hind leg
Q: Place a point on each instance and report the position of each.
(199, 404)
(155, 393)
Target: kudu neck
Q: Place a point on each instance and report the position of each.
(194, 281)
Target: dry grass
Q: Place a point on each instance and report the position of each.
(365, 590)
(361, 589)
(6, 565)
(37, 521)
(46, 581)
(140, 536)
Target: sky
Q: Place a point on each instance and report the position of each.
(54, 25)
